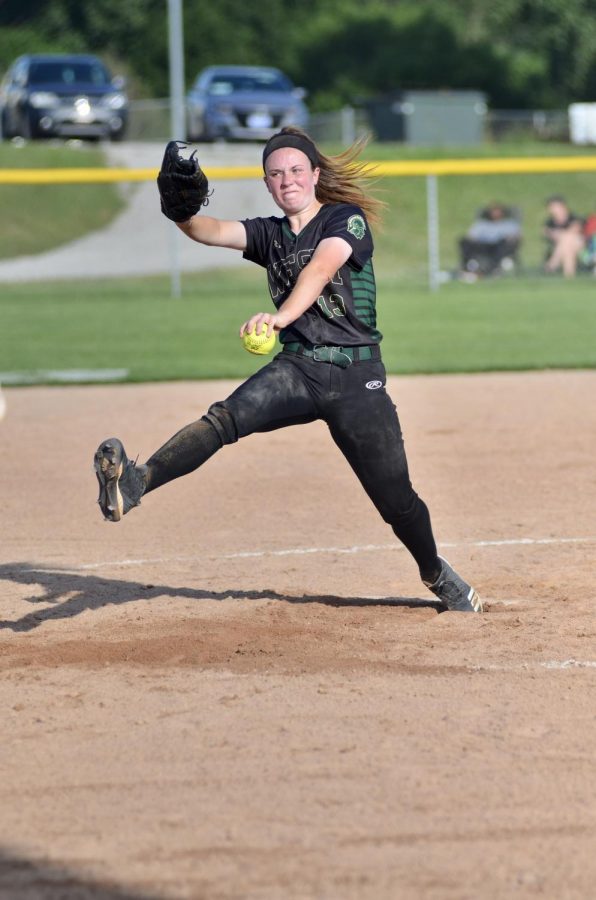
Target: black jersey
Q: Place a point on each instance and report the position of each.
(345, 313)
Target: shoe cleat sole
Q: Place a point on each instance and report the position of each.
(109, 466)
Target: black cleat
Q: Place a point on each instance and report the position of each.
(121, 482)
(453, 592)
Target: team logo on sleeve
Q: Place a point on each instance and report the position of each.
(357, 227)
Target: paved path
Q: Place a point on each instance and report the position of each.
(140, 241)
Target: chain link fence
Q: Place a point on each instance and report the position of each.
(150, 121)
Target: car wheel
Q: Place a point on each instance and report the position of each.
(193, 137)
(6, 133)
(196, 130)
(208, 135)
(24, 128)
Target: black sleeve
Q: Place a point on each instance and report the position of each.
(258, 239)
(349, 222)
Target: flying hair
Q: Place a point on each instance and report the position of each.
(342, 178)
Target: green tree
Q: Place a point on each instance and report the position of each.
(548, 45)
(522, 53)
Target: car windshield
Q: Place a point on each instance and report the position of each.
(58, 72)
(220, 85)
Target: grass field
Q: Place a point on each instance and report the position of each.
(514, 323)
(40, 217)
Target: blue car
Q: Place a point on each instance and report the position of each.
(60, 95)
(242, 103)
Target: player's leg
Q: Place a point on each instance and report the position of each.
(364, 424)
(274, 397)
(568, 245)
(122, 482)
(470, 252)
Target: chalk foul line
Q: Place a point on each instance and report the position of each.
(305, 551)
(552, 664)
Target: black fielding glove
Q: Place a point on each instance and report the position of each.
(183, 186)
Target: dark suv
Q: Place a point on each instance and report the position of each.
(55, 95)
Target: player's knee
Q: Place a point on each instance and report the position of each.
(400, 508)
(220, 418)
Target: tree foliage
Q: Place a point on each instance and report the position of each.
(522, 53)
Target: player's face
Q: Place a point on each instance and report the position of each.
(291, 179)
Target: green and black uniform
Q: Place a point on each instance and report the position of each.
(345, 313)
(330, 368)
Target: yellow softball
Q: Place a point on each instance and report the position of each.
(259, 343)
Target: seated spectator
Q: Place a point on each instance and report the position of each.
(587, 257)
(492, 243)
(564, 231)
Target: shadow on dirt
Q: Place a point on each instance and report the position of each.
(71, 593)
(28, 879)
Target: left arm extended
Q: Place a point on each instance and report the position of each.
(331, 254)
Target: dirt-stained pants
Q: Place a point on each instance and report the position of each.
(362, 420)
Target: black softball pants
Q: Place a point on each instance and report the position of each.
(362, 420)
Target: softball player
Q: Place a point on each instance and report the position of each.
(318, 258)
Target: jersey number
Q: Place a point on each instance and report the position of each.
(332, 306)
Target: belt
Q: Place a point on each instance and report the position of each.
(338, 356)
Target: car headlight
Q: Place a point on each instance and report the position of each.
(114, 101)
(43, 99)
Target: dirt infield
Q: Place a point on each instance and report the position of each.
(243, 691)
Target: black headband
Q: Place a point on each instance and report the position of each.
(291, 140)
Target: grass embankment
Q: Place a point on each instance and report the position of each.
(39, 217)
(401, 244)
